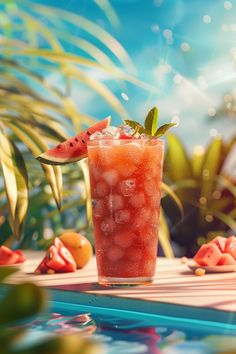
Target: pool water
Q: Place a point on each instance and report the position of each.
(129, 332)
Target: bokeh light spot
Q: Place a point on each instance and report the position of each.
(125, 96)
(206, 19)
(155, 28)
(213, 132)
(211, 111)
(228, 5)
(177, 79)
(167, 33)
(225, 27)
(175, 119)
(203, 200)
(185, 47)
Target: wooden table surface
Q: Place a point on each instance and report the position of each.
(174, 284)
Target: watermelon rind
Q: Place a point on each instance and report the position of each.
(73, 149)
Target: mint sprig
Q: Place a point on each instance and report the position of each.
(150, 125)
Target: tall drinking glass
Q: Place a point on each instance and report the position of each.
(125, 178)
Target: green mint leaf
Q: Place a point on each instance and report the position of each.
(163, 129)
(135, 125)
(151, 121)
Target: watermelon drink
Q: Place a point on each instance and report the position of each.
(125, 177)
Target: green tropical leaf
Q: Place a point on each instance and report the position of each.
(227, 184)
(90, 27)
(5, 272)
(177, 163)
(109, 11)
(164, 236)
(16, 183)
(36, 145)
(197, 161)
(163, 129)
(225, 218)
(168, 191)
(151, 121)
(134, 125)
(84, 167)
(26, 299)
(210, 167)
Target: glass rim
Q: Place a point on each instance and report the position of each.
(104, 142)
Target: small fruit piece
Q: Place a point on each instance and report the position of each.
(50, 271)
(208, 255)
(79, 246)
(199, 272)
(70, 265)
(21, 256)
(220, 242)
(226, 259)
(230, 246)
(42, 268)
(183, 260)
(58, 259)
(57, 243)
(7, 256)
(53, 259)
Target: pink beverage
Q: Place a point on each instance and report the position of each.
(125, 177)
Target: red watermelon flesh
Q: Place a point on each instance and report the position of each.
(58, 258)
(226, 259)
(57, 243)
(69, 259)
(7, 256)
(230, 246)
(21, 256)
(42, 267)
(220, 242)
(208, 255)
(54, 260)
(73, 149)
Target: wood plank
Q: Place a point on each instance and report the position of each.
(174, 284)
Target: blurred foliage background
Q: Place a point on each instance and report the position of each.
(50, 60)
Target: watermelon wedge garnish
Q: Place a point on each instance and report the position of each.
(58, 259)
(73, 149)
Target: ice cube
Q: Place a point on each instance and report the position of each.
(126, 169)
(154, 200)
(115, 253)
(137, 200)
(127, 187)
(122, 216)
(136, 254)
(108, 225)
(125, 131)
(99, 208)
(135, 153)
(142, 217)
(150, 186)
(115, 202)
(109, 132)
(111, 177)
(96, 136)
(124, 239)
(101, 189)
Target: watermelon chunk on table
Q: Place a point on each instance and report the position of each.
(7, 256)
(58, 259)
(230, 246)
(220, 242)
(226, 259)
(208, 255)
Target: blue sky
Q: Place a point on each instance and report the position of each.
(185, 49)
